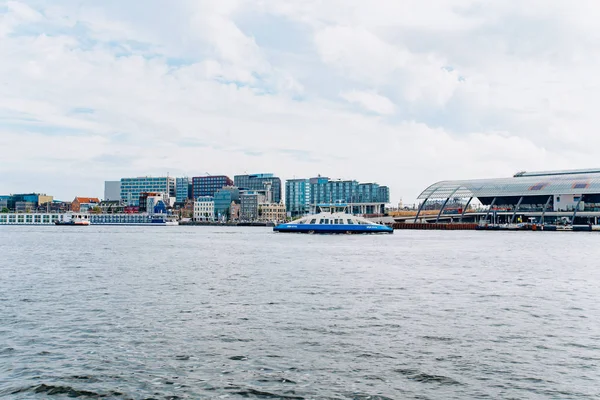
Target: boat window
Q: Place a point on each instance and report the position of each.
(313, 221)
(350, 222)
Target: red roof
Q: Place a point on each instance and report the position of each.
(86, 200)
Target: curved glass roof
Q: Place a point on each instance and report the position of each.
(522, 184)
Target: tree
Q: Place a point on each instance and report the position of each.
(5, 210)
(96, 210)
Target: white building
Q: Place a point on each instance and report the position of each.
(204, 209)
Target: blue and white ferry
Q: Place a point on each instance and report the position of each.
(332, 218)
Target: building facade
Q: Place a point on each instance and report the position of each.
(297, 197)
(84, 204)
(271, 212)
(208, 185)
(183, 188)
(249, 201)
(25, 202)
(223, 199)
(132, 188)
(204, 209)
(260, 182)
(304, 195)
(112, 190)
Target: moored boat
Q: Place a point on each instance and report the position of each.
(333, 218)
(74, 220)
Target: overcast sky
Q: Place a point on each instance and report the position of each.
(400, 92)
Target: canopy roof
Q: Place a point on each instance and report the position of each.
(575, 182)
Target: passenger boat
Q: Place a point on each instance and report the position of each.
(332, 218)
(74, 220)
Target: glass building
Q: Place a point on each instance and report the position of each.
(297, 197)
(260, 182)
(223, 198)
(208, 185)
(182, 189)
(131, 188)
(303, 195)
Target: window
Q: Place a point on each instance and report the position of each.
(350, 222)
(313, 221)
(321, 221)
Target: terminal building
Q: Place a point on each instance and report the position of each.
(570, 196)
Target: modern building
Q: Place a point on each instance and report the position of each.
(26, 202)
(297, 197)
(84, 204)
(383, 194)
(223, 199)
(260, 182)
(183, 189)
(112, 190)
(249, 204)
(304, 195)
(572, 196)
(131, 188)
(208, 185)
(204, 209)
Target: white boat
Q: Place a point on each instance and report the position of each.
(74, 220)
(333, 218)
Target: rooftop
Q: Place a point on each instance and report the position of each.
(541, 183)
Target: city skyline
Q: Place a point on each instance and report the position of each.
(405, 92)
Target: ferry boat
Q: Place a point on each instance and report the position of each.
(75, 220)
(332, 218)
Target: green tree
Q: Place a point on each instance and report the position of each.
(5, 210)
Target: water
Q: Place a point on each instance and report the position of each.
(210, 312)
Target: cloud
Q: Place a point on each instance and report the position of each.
(446, 89)
(370, 101)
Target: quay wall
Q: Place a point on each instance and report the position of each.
(438, 227)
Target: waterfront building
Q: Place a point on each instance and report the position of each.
(208, 185)
(249, 201)
(223, 199)
(131, 188)
(304, 195)
(297, 197)
(265, 181)
(24, 202)
(383, 194)
(183, 189)
(569, 196)
(84, 204)
(153, 202)
(271, 212)
(204, 209)
(112, 190)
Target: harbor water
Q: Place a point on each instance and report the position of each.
(145, 312)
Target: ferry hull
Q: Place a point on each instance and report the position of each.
(339, 229)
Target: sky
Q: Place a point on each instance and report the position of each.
(399, 92)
